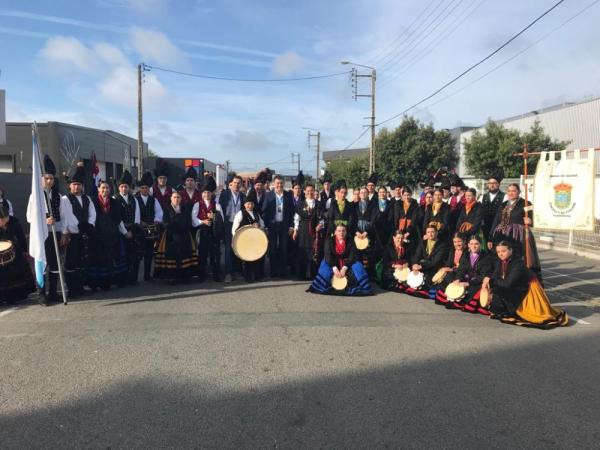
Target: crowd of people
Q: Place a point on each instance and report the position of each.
(428, 245)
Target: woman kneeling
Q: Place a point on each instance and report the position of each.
(340, 273)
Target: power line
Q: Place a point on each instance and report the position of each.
(356, 140)
(249, 80)
(475, 65)
(516, 55)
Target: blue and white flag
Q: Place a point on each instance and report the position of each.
(36, 215)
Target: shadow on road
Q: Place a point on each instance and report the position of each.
(533, 396)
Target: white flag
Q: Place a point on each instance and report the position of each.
(36, 215)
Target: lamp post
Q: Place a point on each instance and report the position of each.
(373, 77)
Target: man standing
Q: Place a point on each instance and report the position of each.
(492, 201)
(189, 194)
(207, 215)
(457, 201)
(371, 188)
(160, 191)
(231, 201)
(151, 216)
(131, 219)
(278, 215)
(326, 193)
(81, 217)
(55, 216)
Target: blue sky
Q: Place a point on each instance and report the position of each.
(75, 62)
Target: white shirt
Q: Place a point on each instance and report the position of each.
(158, 212)
(73, 223)
(196, 208)
(279, 207)
(311, 205)
(10, 207)
(161, 189)
(136, 218)
(59, 226)
(238, 219)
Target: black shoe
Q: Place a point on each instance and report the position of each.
(43, 300)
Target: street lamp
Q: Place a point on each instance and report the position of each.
(373, 77)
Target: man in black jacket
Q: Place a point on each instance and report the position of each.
(231, 201)
(278, 215)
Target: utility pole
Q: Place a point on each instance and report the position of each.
(140, 142)
(296, 158)
(317, 149)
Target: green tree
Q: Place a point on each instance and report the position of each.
(412, 151)
(492, 150)
(354, 171)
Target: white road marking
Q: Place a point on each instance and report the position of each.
(571, 276)
(581, 321)
(7, 312)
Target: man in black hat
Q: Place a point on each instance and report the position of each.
(207, 217)
(189, 194)
(81, 215)
(151, 216)
(131, 219)
(491, 201)
(278, 215)
(260, 182)
(372, 188)
(326, 193)
(56, 216)
(457, 201)
(160, 190)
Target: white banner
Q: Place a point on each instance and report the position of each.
(564, 190)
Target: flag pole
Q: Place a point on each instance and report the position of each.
(52, 227)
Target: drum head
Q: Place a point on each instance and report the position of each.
(250, 243)
(401, 275)
(361, 244)
(454, 292)
(439, 276)
(339, 284)
(484, 297)
(415, 280)
(5, 245)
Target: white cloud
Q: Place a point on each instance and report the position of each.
(287, 63)
(156, 47)
(247, 140)
(110, 54)
(65, 53)
(120, 88)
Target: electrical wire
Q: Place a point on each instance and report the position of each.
(249, 80)
(359, 136)
(437, 91)
(516, 55)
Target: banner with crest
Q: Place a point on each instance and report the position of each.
(564, 190)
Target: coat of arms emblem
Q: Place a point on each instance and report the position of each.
(562, 195)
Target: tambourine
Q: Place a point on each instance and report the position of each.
(454, 292)
(401, 275)
(361, 244)
(485, 297)
(7, 253)
(439, 276)
(249, 243)
(339, 283)
(415, 280)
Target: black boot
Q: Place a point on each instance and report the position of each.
(52, 295)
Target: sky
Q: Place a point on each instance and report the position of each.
(76, 62)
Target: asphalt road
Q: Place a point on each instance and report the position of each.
(270, 366)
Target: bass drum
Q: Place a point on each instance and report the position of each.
(250, 243)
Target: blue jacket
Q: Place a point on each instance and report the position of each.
(224, 199)
(270, 206)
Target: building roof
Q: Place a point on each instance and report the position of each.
(331, 155)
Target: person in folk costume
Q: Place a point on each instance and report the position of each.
(55, 216)
(446, 190)
(6, 202)
(189, 194)
(509, 225)
(108, 261)
(341, 211)
(297, 197)
(207, 217)
(16, 278)
(450, 267)
(491, 201)
(248, 215)
(340, 260)
(429, 256)
(278, 214)
(473, 266)
(470, 218)
(383, 217)
(151, 214)
(366, 212)
(397, 254)
(176, 257)
(130, 209)
(372, 187)
(81, 221)
(308, 234)
(457, 201)
(405, 214)
(260, 182)
(326, 194)
(231, 201)
(428, 186)
(438, 215)
(159, 190)
(517, 296)
(420, 215)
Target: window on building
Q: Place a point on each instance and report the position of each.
(6, 164)
(110, 170)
